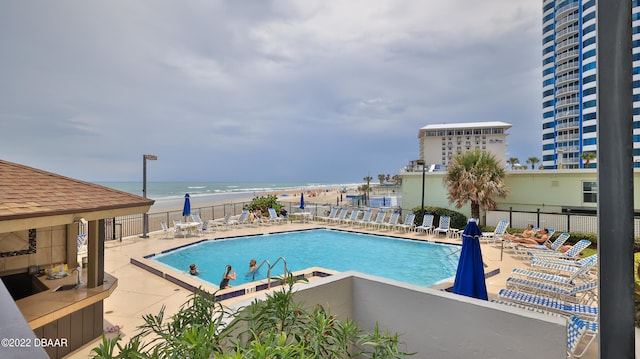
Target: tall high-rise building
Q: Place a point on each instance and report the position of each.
(569, 82)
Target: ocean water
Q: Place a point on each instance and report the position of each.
(171, 194)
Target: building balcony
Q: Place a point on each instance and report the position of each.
(568, 124)
(565, 79)
(567, 56)
(571, 137)
(567, 32)
(566, 21)
(567, 90)
(569, 66)
(568, 43)
(567, 9)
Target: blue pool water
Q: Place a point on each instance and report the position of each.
(415, 262)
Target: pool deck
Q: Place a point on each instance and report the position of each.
(141, 292)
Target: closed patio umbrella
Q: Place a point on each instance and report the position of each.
(470, 274)
(186, 210)
(302, 201)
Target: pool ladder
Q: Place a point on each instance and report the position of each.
(269, 267)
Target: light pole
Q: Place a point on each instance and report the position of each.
(421, 162)
(145, 216)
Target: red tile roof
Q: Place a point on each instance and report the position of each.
(26, 192)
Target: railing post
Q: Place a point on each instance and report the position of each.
(569, 220)
(538, 218)
(510, 216)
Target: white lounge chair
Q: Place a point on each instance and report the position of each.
(165, 229)
(443, 226)
(571, 253)
(340, 216)
(427, 224)
(351, 218)
(393, 221)
(498, 232)
(331, 216)
(366, 218)
(222, 223)
(379, 220)
(408, 224)
(527, 250)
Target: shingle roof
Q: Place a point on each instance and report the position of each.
(26, 192)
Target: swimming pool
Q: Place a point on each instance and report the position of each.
(410, 261)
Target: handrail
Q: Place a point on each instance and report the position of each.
(270, 266)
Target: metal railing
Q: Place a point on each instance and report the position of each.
(269, 267)
(562, 222)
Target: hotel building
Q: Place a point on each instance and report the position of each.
(569, 82)
(440, 143)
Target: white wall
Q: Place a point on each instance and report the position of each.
(437, 324)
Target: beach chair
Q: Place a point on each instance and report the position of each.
(366, 217)
(526, 251)
(571, 253)
(408, 224)
(498, 232)
(273, 216)
(178, 228)
(331, 216)
(569, 279)
(562, 266)
(580, 333)
(443, 226)
(584, 293)
(427, 224)
(165, 229)
(220, 223)
(552, 305)
(352, 218)
(391, 223)
(241, 220)
(379, 219)
(340, 216)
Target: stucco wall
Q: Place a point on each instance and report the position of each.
(548, 190)
(437, 324)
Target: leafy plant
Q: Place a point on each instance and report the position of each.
(458, 220)
(277, 327)
(263, 203)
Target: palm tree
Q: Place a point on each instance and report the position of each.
(381, 178)
(587, 157)
(533, 161)
(367, 189)
(475, 176)
(512, 161)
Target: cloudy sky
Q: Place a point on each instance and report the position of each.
(257, 90)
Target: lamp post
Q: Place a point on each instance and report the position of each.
(421, 162)
(145, 216)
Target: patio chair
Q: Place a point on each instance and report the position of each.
(579, 331)
(331, 216)
(366, 218)
(563, 266)
(427, 224)
(340, 216)
(584, 293)
(165, 229)
(526, 251)
(379, 219)
(220, 223)
(498, 232)
(553, 278)
(393, 221)
(571, 253)
(177, 227)
(243, 218)
(273, 216)
(443, 226)
(587, 312)
(352, 218)
(408, 224)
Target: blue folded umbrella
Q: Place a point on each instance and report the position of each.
(186, 210)
(470, 274)
(302, 201)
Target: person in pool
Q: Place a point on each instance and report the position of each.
(253, 270)
(228, 275)
(193, 269)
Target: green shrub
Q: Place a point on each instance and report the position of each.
(458, 220)
(277, 327)
(263, 203)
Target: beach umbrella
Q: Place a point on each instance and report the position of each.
(470, 274)
(302, 201)
(186, 210)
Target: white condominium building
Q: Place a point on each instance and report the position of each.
(439, 143)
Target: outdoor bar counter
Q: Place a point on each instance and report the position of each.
(73, 315)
